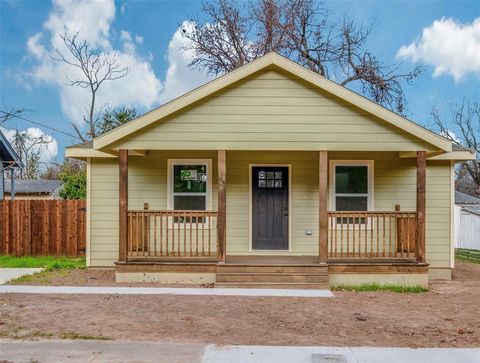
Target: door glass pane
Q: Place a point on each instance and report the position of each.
(189, 178)
(351, 179)
(278, 175)
(270, 184)
(262, 175)
(262, 183)
(270, 175)
(278, 183)
(189, 202)
(351, 203)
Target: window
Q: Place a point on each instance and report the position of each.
(270, 179)
(351, 185)
(189, 184)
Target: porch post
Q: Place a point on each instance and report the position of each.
(323, 205)
(123, 204)
(222, 206)
(421, 205)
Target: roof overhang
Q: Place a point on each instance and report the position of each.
(269, 60)
(462, 155)
(83, 153)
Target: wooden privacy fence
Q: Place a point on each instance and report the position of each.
(42, 227)
(372, 235)
(189, 234)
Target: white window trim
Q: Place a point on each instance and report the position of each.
(171, 163)
(370, 195)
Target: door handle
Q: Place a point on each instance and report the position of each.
(285, 213)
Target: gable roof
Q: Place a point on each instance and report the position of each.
(465, 199)
(7, 153)
(33, 186)
(269, 60)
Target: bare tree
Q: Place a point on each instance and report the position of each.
(96, 67)
(28, 149)
(462, 125)
(7, 115)
(233, 34)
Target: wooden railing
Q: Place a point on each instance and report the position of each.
(372, 235)
(187, 234)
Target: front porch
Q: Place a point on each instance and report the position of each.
(348, 242)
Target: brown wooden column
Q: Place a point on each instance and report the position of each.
(123, 204)
(323, 205)
(222, 205)
(421, 204)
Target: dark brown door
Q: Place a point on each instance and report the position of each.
(270, 208)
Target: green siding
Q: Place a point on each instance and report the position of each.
(394, 183)
(272, 110)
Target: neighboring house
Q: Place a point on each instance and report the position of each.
(9, 161)
(271, 175)
(467, 221)
(34, 189)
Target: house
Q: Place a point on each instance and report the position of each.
(271, 175)
(467, 221)
(9, 161)
(34, 189)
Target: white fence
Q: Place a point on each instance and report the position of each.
(467, 229)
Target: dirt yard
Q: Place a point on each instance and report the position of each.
(447, 316)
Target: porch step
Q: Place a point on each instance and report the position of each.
(271, 268)
(273, 285)
(272, 277)
(285, 276)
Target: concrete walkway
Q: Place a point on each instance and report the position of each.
(7, 274)
(20, 289)
(130, 351)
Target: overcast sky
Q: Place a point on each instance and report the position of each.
(443, 35)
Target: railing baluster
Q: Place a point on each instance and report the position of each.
(155, 234)
(137, 240)
(191, 236)
(203, 234)
(365, 234)
(383, 237)
(341, 233)
(208, 231)
(353, 233)
(184, 233)
(179, 235)
(408, 236)
(167, 229)
(378, 238)
(389, 235)
(196, 235)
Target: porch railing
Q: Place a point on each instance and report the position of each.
(359, 235)
(168, 233)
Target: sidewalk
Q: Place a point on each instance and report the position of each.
(162, 352)
(20, 289)
(7, 274)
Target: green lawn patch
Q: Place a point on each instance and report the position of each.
(467, 255)
(381, 287)
(50, 263)
(74, 335)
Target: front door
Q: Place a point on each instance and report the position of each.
(270, 208)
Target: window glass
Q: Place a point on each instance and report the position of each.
(189, 178)
(189, 187)
(351, 179)
(351, 187)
